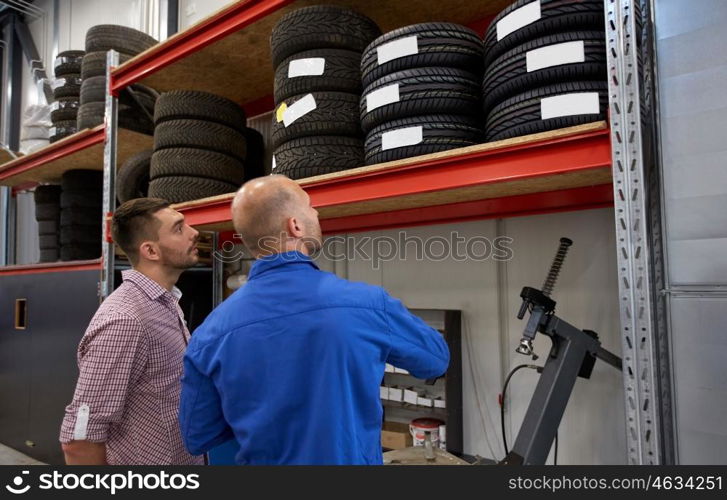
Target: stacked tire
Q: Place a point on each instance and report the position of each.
(199, 146)
(47, 213)
(316, 52)
(421, 91)
(66, 94)
(545, 67)
(81, 214)
(136, 103)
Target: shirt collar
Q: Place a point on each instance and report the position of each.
(278, 261)
(153, 289)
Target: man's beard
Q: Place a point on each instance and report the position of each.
(177, 259)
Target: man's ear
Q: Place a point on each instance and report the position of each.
(295, 228)
(149, 250)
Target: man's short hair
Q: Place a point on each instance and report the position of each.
(134, 222)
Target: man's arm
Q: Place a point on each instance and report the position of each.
(201, 421)
(112, 357)
(415, 346)
(84, 453)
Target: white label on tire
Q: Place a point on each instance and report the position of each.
(402, 137)
(517, 19)
(312, 66)
(274, 163)
(300, 108)
(396, 49)
(579, 103)
(555, 55)
(382, 97)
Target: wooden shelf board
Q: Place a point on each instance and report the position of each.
(383, 188)
(238, 65)
(5, 156)
(72, 153)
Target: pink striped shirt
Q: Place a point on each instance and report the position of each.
(130, 366)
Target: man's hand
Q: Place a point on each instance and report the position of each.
(84, 453)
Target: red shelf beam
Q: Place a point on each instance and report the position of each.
(53, 267)
(539, 159)
(55, 151)
(227, 21)
(511, 206)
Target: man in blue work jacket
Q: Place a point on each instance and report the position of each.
(290, 364)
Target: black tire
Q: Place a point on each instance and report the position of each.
(48, 240)
(508, 75)
(336, 113)
(67, 86)
(91, 114)
(94, 64)
(341, 73)
(81, 180)
(521, 114)
(439, 133)
(196, 163)
(61, 129)
(556, 16)
(439, 45)
(48, 226)
(49, 254)
(67, 109)
(200, 134)
(81, 252)
(320, 27)
(318, 155)
(68, 62)
(90, 199)
(80, 235)
(192, 104)
(178, 189)
(94, 90)
(255, 161)
(104, 37)
(75, 216)
(47, 194)
(47, 211)
(423, 91)
(132, 179)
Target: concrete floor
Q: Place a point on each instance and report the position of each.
(9, 456)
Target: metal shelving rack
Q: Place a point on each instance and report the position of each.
(420, 191)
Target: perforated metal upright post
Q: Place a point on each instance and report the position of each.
(109, 177)
(645, 367)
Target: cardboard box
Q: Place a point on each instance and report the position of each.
(395, 394)
(410, 396)
(383, 392)
(395, 436)
(424, 402)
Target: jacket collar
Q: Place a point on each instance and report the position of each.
(278, 261)
(153, 289)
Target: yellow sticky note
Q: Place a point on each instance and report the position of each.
(281, 111)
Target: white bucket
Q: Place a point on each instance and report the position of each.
(420, 427)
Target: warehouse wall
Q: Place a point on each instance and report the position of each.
(593, 429)
(75, 17)
(692, 70)
(193, 11)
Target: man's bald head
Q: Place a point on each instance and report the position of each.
(268, 210)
